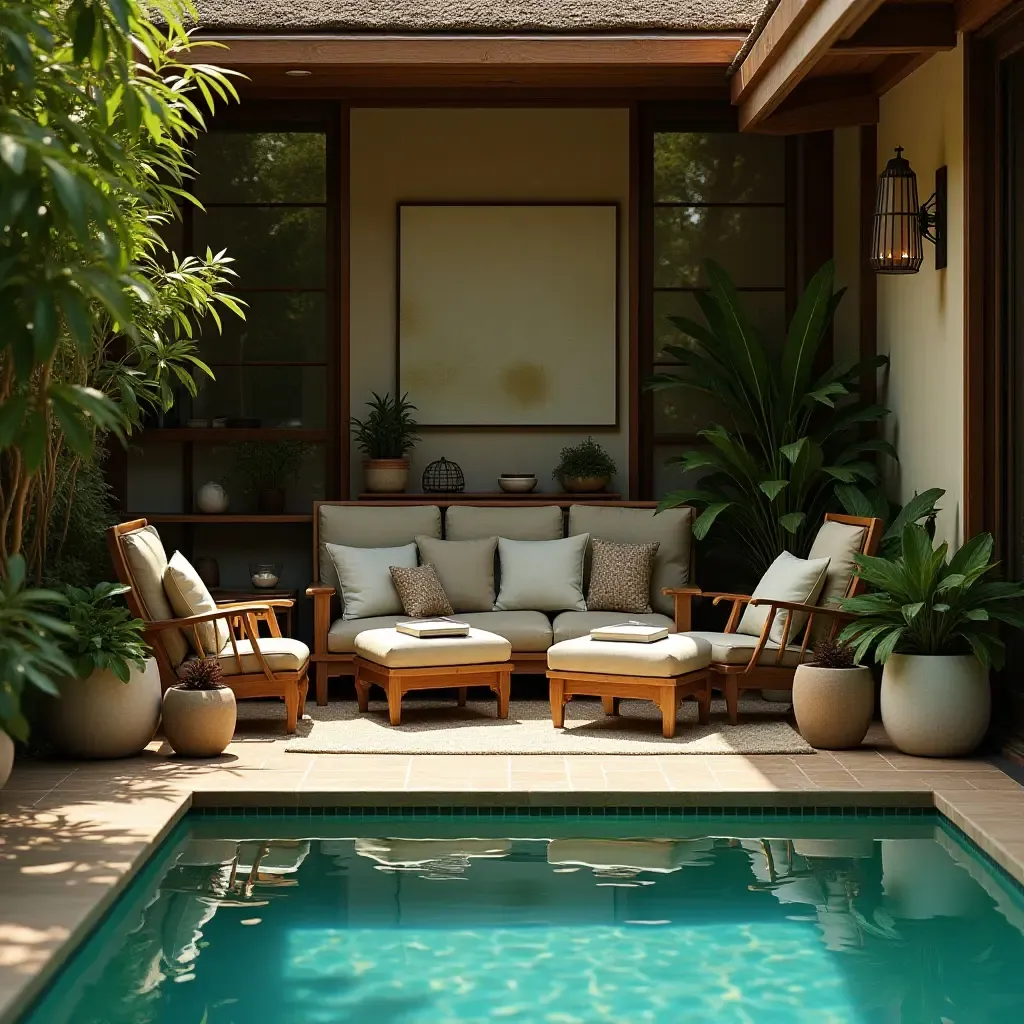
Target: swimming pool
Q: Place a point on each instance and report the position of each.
(404, 920)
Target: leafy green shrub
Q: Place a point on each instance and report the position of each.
(104, 635)
(921, 602)
(585, 459)
(267, 465)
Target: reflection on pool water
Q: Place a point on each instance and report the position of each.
(560, 920)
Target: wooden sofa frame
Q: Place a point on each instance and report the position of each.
(328, 663)
(242, 618)
(732, 680)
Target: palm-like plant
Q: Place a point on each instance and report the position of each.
(389, 430)
(920, 602)
(769, 477)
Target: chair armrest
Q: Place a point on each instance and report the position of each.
(810, 609)
(721, 596)
(322, 596)
(274, 602)
(682, 598)
(222, 612)
(673, 591)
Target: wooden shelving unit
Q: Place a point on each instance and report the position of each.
(199, 517)
(225, 435)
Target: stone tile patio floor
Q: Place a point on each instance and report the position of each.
(72, 834)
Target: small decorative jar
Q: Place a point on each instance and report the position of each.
(212, 499)
(444, 477)
(265, 575)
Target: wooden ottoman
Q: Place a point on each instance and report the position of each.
(398, 663)
(662, 672)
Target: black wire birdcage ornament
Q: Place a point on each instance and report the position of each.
(443, 477)
(902, 222)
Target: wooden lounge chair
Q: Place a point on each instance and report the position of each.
(253, 666)
(743, 661)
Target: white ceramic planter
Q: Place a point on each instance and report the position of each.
(101, 717)
(6, 757)
(935, 705)
(199, 723)
(386, 476)
(833, 706)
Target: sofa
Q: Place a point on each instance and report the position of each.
(530, 631)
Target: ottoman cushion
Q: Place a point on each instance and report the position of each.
(392, 649)
(676, 655)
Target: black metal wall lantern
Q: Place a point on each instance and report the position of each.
(902, 223)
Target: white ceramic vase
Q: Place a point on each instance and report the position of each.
(212, 499)
(199, 723)
(935, 705)
(6, 757)
(101, 717)
(833, 706)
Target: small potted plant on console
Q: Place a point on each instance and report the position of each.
(385, 437)
(585, 467)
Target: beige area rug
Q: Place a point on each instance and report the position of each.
(440, 727)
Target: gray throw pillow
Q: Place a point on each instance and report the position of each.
(620, 577)
(465, 569)
(542, 575)
(365, 576)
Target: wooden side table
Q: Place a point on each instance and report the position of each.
(225, 595)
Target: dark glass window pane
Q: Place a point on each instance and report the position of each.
(702, 167)
(668, 478)
(283, 247)
(685, 411)
(767, 310)
(263, 167)
(281, 326)
(268, 396)
(749, 242)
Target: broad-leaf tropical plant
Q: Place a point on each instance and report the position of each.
(31, 629)
(923, 602)
(103, 635)
(795, 433)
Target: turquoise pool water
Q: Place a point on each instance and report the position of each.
(278, 920)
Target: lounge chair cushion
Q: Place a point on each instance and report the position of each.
(788, 579)
(189, 595)
(364, 575)
(570, 625)
(370, 526)
(838, 542)
(472, 522)
(147, 559)
(465, 569)
(392, 649)
(736, 649)
(281, 653)
(671, 529)
(544, 575)
(677, 655)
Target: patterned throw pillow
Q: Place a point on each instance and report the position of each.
(421, 591)
(620, 576)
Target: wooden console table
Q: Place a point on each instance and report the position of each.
(492, 498)
(225, 595)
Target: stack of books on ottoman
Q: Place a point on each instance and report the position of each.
(630, 632)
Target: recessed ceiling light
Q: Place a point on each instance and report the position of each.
(298, 73)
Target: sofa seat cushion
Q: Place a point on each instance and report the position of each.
(736, 649)
(392, 649)
(281, 653)
(676, 655)
(570, 625)
(527, 632)
(341, 638)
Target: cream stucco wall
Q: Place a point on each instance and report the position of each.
(921, 316)
(467, 154)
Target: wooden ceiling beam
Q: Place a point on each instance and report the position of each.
(972, 14)
(894, 69)
(822, 104)
(903, 28)
(781, 68)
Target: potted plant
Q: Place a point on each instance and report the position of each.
(833, 697)
(933, 622)
(30, 653)
(584, 467)
(264, 469)
(109, 705)
(385, 436)
(199, 711)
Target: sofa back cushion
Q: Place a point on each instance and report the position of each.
(366, 585)
(671, 529)
(371, 526)
(474, 522)
(465, 569)
(542, 576)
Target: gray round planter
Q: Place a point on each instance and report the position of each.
(833, 706)
(199, 723)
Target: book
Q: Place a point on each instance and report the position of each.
(631, 633)
(426, 628)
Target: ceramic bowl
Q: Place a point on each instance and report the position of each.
(517, 483)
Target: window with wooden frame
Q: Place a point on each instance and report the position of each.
(707, 192)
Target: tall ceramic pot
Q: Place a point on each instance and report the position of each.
(101, 717)
(6, 757)
(833, 706)
(386, 476)
(935, 705)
